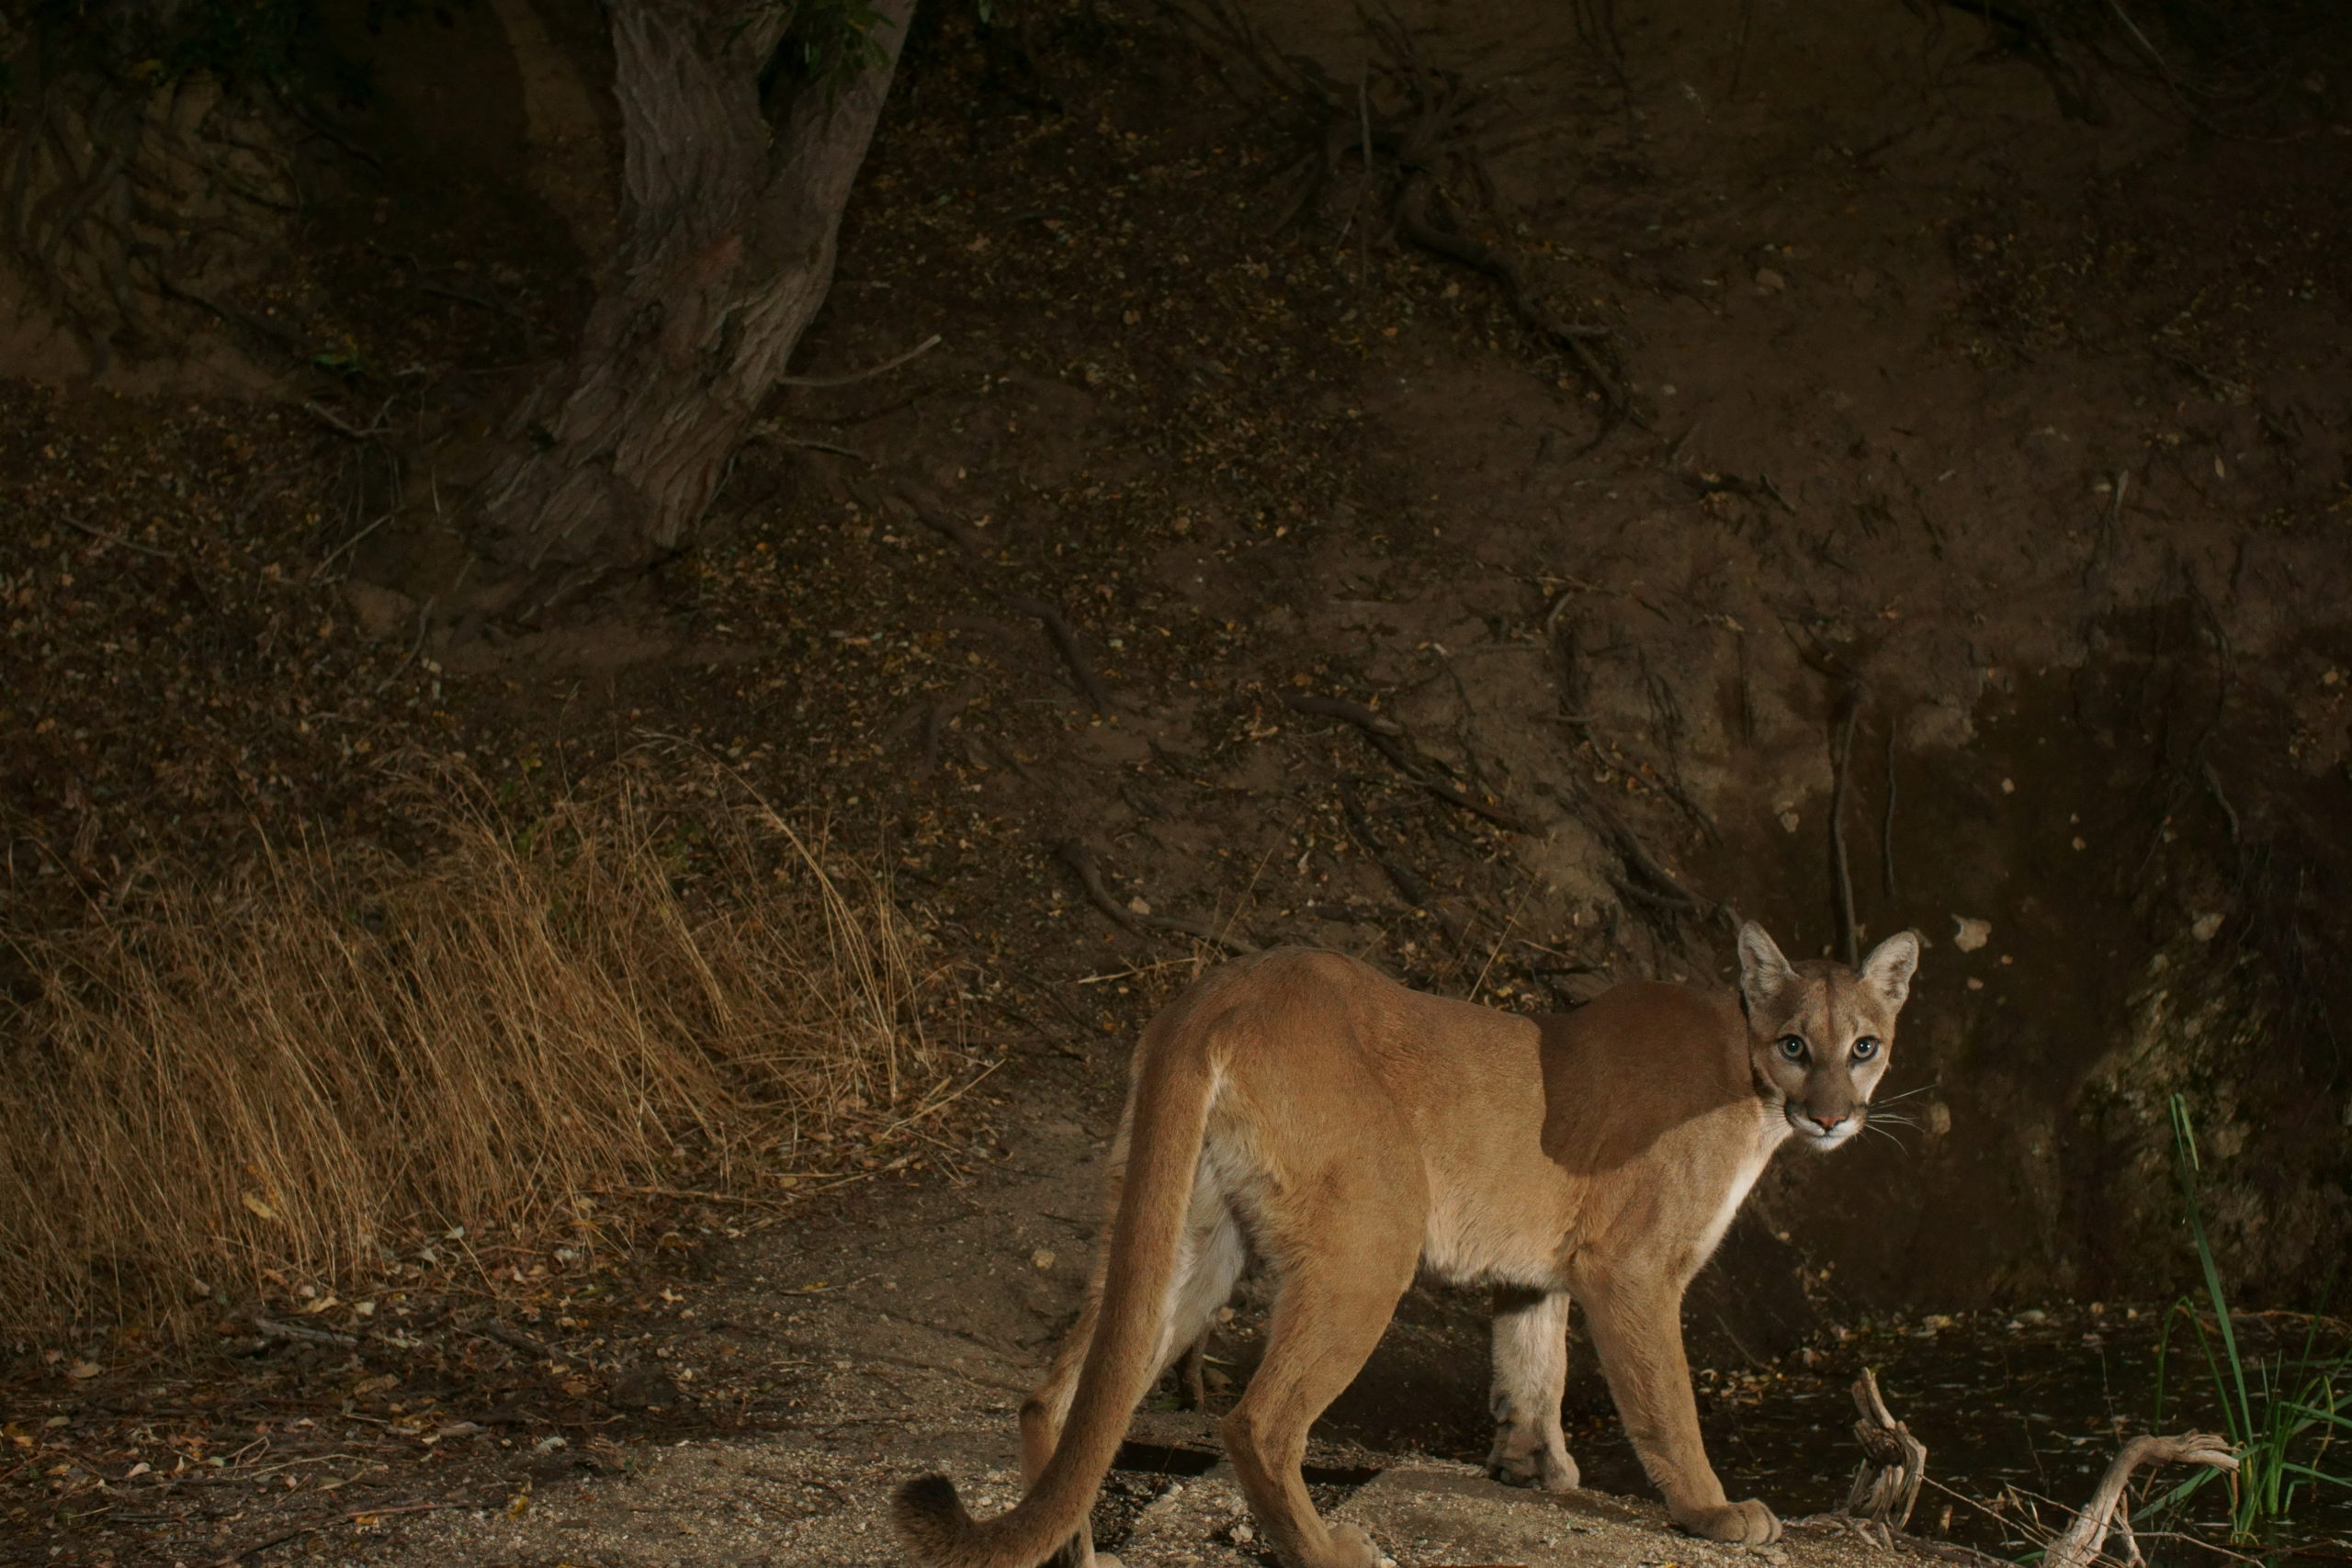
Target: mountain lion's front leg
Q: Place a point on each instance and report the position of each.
(1531, 1357)
(1638, 1329)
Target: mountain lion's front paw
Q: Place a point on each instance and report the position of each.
(1351, 1547)
(1750, 1523)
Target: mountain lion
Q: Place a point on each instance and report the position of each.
(1301, 1106)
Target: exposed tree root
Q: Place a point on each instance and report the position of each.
(120, 199)
(1406, 126)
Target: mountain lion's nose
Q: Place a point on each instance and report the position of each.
(1826, 1123)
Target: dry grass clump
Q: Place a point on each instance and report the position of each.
(232, 1087)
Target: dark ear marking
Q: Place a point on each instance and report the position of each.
(1890, 966)
(1762, 969)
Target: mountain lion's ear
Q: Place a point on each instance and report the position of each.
(1763, 970)
(1890, 966)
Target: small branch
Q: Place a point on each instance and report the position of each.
(1079, 860)
(1387, 737)
(1410, 887)
(1081, 863)
(336, 421)
(1057, 626)
(939, 519)
(118, 540)
(925, 347)
(344, 1517)
(1356, 714)
(515, 1338)
(272, 1329)
(686, 1193)
(2084, 1537)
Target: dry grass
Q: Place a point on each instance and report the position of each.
(225, 1090)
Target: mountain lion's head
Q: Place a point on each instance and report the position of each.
(1820, 1032)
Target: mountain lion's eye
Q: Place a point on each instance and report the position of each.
(1792, 1047)
(1865, 1048)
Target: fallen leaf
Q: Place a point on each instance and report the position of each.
(254, 1201)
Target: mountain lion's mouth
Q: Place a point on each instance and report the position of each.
(1813, 1132)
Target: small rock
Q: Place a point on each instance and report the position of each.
(645, 1388)
(1768, 281)
(2205, 926)
(1140, 904)
(381, 611)
(1043, 1258)
(1968, 934)
(1242, 1534)
(1788, 820)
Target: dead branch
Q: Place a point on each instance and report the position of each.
(1356, 714)
(1427, 219)
(1409, 886)
(2087, 1536)
(336, 423)
(1886, 1485)
(82, 527)
(939, 519)
(1057, 626)
(515, 1339)
(925, 347)
(1387, 737)
(270, 1328)
(1079, 861)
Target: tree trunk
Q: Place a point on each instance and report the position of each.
(727, 236)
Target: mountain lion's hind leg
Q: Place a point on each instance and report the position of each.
(1530, 1360)
(1332, 1308)
(1205, 1271)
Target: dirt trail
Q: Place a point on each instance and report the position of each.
(912, 1330)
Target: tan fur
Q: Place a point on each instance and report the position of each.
(1347, 1131)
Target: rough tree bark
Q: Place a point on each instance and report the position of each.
(729, 218)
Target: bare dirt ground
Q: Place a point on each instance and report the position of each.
(1999, 456)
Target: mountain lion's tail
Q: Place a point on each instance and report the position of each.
(1175, 1084)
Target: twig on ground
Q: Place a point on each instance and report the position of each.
(345, 1517)
(939, 519)
(1079, 860)
(336, 423)
(271, 1328)
(1386, 737)
(681, 1193)
(1663, 892)
(515, 1338)
(1410, 887)
(1356, 714)
(118, 540)
(1057, 626)
(803, 443)
(1427, 219)
(925, 347)
(2084, 1539)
